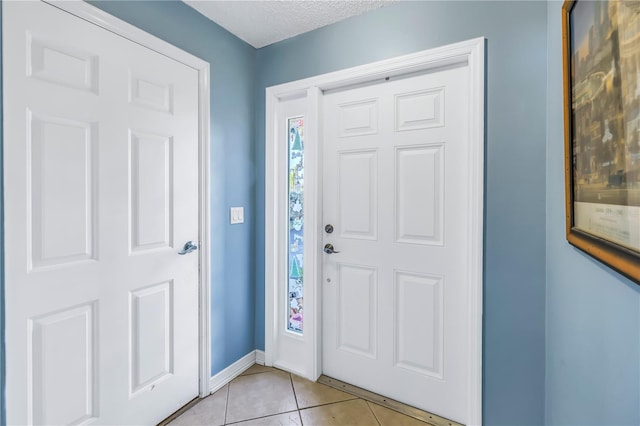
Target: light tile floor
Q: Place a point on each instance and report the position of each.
(268, 396)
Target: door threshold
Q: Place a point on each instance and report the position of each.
(180, 411)
(392, 404)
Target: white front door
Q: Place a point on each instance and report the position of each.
(101, 192)
(395, 292)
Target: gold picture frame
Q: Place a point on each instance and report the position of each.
(601, 66)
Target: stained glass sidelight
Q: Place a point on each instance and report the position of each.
(295, 292)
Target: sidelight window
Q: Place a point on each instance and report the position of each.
(295, 293)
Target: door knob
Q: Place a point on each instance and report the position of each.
(188, 248)
(328, 248)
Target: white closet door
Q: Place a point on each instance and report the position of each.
(101, 192)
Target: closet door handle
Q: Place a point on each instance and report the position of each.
(188, 248)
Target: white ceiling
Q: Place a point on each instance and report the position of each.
(261, 23)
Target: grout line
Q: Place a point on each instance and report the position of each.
(295, 396)
(334, 402)
(399, 407)
(258, 372)
(330, 403)
(261, 417)
(226, 402)
(293, 388)
(373, 412)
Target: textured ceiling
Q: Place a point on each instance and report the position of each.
(261, 23)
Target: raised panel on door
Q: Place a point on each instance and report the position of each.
(151, 189)
(357, 313)
(63, 366)
(150, 93)
(358, 199)
(152, 325)
(62, 203)
(423, 109)
(419, 322)
(358, 118)
(62, 64)
(419, 194)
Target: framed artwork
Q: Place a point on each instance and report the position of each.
(601, 61)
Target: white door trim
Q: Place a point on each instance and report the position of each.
(109, 22)
(469, 52)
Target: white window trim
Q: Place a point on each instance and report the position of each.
(109, 22)
(471, 53)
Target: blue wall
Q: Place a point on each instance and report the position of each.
(232, 179)
(514, 344)
(593, 313)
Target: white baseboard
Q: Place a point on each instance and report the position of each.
(259, 357)
(233, 371)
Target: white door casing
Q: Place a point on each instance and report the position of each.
(299, 354)
(395, 308)
(467, 55)
(292, 345)
(102, 183)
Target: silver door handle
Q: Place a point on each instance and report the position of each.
(328, 248)
(188, 248)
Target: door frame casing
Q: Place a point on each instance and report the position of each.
(470, 53)
(98, 17)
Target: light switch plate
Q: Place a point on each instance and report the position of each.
(236, 215)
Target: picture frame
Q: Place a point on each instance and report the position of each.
(601, 66)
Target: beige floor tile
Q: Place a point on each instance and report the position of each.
(310, 394)
(284, 419)
(257, 368)
(388, 417)
(209, 411)
(259, 395)
(355, 412)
